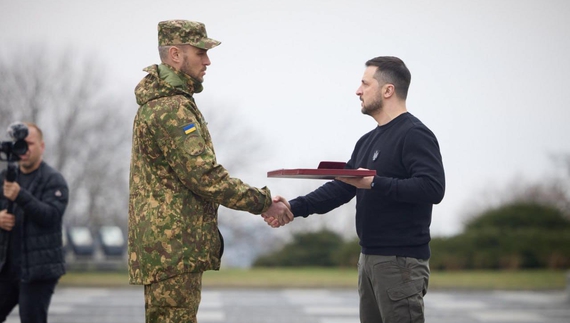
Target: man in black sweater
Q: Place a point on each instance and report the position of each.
(393, 208)
(31, 254)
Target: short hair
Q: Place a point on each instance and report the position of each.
(163, 52)
(33, 125)
(392, 70)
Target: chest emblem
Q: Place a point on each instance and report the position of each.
(375, 156)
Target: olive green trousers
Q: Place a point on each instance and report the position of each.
(174, 300)
(392, 288)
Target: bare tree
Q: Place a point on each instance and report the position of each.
(86, 131)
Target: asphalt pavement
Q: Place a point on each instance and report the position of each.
(126, 305)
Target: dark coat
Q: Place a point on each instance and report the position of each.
(39, 210)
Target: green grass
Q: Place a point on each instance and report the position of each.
(504, 280)
(94, 279)
(282, 278)
(340, 278)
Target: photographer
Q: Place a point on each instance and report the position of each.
(31, 254)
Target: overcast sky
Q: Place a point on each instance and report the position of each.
(489, 77)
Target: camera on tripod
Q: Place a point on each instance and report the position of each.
(10, 151)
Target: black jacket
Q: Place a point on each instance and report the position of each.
(39, 210)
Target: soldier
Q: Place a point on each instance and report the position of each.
(176, 185)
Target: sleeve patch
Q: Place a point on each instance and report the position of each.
(189, 128)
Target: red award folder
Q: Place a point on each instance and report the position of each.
(326, 170)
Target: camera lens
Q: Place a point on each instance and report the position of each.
(20, 147)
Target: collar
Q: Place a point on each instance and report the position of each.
(179, 79)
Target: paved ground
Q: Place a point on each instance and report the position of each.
(93, 305)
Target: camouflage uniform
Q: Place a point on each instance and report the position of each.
(176, 184)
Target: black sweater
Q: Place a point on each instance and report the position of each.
(393, 217)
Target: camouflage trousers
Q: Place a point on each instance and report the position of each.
(174, 300)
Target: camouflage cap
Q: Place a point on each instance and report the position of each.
(178, 32)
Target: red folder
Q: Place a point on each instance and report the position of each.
(326, 170)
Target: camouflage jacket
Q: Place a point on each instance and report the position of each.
(175, 183)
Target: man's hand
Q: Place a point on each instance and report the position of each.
(7, 220)
(11, 190)
(358, 182)
(279, 213)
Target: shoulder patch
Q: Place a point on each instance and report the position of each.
(189, 128)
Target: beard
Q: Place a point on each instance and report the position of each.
(29, 165)
(372, 107)
(187, 69)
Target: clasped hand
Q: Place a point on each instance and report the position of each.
(279, 213)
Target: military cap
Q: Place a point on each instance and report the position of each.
(178, 32)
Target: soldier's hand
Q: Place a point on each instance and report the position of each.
(279, 213)
(271, 221)
(11, 190)
(7, 220)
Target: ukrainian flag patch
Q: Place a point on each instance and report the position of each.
(190, 128)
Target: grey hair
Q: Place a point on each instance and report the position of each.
(163, 52)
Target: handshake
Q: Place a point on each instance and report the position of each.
(279, 213)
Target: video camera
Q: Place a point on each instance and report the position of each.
(11, 151)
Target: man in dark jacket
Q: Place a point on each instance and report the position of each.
(31, 254)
